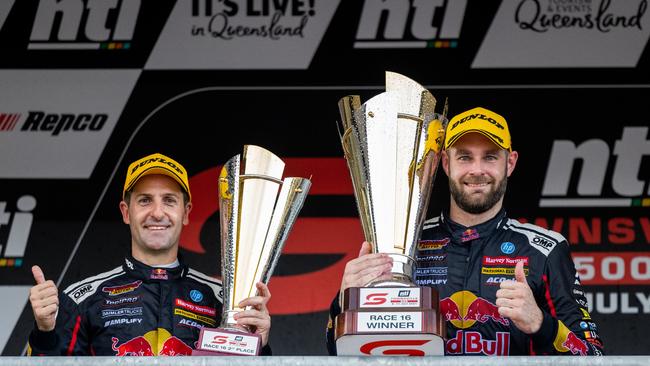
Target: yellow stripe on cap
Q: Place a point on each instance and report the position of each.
(480, 120)
(156, 164)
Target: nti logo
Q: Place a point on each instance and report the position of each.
(84, 25)
(19, 224)
(410, 24)
(595, 156)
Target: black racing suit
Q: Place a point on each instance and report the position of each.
(133, 310)
(466, 266)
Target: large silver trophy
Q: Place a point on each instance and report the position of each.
(392, 144)
(257, 211)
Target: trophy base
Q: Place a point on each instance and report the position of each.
(390, 345)
(223, 342)
(391, 321)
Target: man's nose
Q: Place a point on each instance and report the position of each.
(157, 210)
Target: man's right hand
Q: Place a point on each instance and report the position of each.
(44, 298)
(367, 267)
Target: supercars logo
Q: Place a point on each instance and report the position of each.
(376, 299)
(118, 290)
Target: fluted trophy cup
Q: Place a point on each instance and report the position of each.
(392, 144)
(257, 210)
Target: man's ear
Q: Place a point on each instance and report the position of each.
(445, 162)
(186, 217)
(124, 209)
(512, 161)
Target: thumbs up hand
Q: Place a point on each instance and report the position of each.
(516, 301)
(44, 298)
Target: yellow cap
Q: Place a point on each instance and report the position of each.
(482, 121)
(156, 164)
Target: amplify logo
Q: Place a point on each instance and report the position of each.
(19, 224)
(595, 156)
(84, 25)
(414, 24)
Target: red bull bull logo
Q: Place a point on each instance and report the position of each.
(463, 309)
(567, 341)
(154, 343)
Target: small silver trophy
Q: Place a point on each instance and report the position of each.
(392, 144)
(257, 211)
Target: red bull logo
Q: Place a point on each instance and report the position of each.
(463, 309)
(473, 343)
(567, 341)
(154, 343)
(158, 274)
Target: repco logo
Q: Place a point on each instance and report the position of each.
(376, 299)
(595, 156)
(57, 123)
(479, 116)
(410, 24)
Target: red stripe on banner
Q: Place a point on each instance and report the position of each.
(74, 335)
(3, 120)
(329, 176)
(551, 306)
(15, 121)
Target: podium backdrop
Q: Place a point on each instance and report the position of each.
(87, 86)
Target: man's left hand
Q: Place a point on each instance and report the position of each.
(257, 318)
(516, 301)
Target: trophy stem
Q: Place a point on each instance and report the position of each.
(228, 322)
(403, 273)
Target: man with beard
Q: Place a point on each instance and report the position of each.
(505, 287)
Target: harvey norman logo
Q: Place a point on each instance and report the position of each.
(595, 157)
(566, 33)
(229, 34)
(84, 25)
(410, 24)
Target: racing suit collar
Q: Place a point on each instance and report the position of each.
(464, 234)
(147, 273)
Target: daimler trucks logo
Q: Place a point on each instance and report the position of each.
(595, 156)
(84, 25)
(410, 24)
